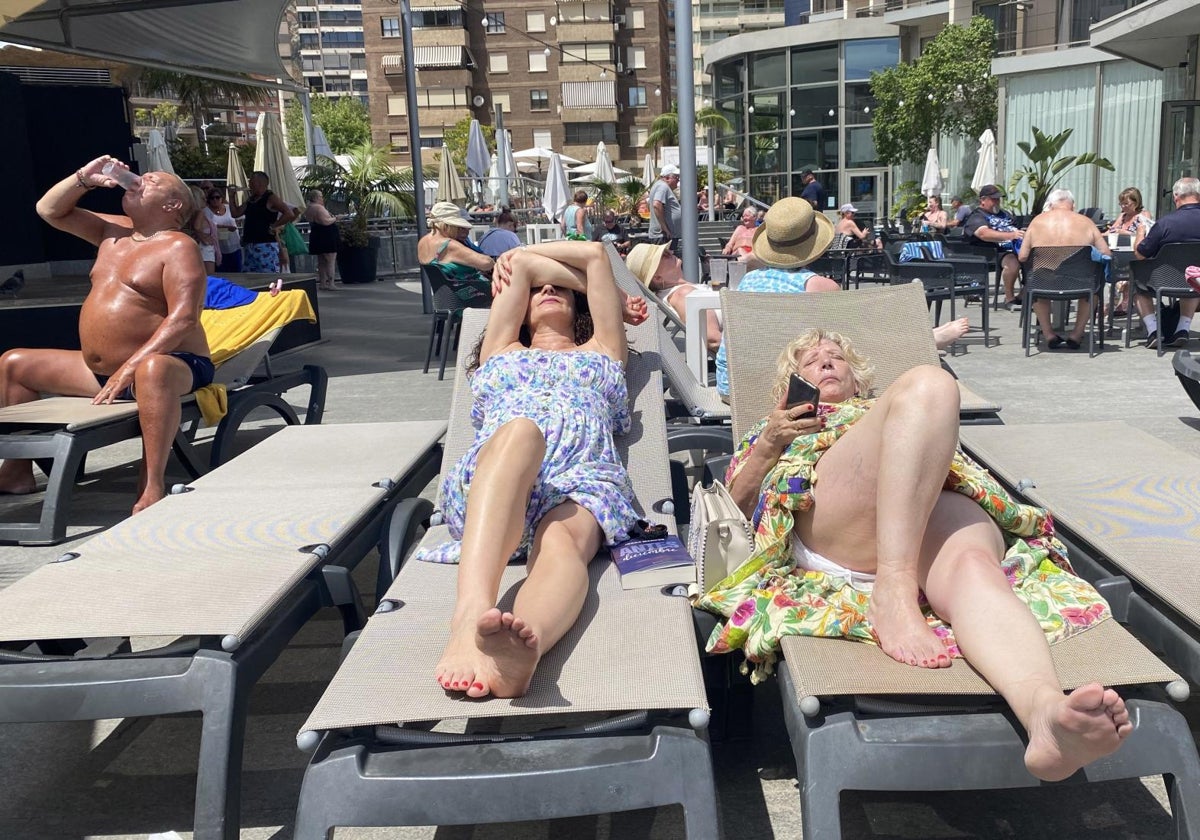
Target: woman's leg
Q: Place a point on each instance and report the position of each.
(877, 486)
(505, 469)
(547, 604)
(998, 634)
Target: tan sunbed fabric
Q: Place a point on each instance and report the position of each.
(213, 561)
(598, 666)
(971, 403)
(1106, 653)
(70, 412)
(1133, 498)
(889, 325)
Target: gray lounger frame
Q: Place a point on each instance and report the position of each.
(209, 674)
(929, 738)
(1187, 369)
(62, 450)
(392, 776)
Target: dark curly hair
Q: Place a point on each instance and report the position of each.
(583, 331)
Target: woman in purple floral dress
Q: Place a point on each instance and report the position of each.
(542, 477)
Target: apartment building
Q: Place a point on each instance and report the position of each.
(329, 50)
(568, 75)
(715, 20)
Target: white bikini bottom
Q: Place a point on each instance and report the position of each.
(808, 559)
(665, 296)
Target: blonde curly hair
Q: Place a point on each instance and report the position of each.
(789, 361)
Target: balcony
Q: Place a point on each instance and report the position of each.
(440, 36)
(915, 12)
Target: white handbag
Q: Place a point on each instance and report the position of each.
(719, 537)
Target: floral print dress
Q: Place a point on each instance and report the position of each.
(579, 401)
(769, 597)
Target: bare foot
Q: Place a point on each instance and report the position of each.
(948, 333)
(455, 671)
(902, 631)
(1069, 732)
(148, 497)
(510, 653)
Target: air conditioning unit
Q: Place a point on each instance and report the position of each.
(620, 67)
(618, 20)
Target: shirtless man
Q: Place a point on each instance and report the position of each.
(1060, 225)
(140, 323)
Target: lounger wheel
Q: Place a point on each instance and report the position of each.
(307, 740)
(1179, 690)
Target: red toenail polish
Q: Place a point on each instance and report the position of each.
(477, 685)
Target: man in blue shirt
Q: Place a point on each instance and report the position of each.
(813, 192)
(1181, 226)
(503, 237)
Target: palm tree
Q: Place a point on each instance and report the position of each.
(368, 185)
(664, 130)
(197, 96)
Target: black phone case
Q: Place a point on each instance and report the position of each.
(802, 391)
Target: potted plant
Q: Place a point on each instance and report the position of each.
(369, 187)
(1032, 183)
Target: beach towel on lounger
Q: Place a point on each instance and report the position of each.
(769, 597)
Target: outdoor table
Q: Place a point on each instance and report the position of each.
(695, 347)
(536, 234)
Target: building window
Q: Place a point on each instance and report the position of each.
(497, 62)
(537, 61)
(638, 136)
(436, 18)
(495, 23)
(434, 142)
(502, 100)
(445, 98)
(637, 18)
(306, 20)
(535, 21)
(577, 53)
(868, 56)
(391, 29)
(539, 100)
(637, 58)
(1004, 18)
(637, 96)
(396, 106)
(399, 143)
(589, 134)
(542, 138)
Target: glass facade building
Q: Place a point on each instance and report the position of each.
(800, 107)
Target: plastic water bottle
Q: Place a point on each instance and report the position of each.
(125, 179)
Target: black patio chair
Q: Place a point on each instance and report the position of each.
(1161, 278)
(449, 299)
(1063, 273)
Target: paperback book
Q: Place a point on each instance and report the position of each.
(661, 562)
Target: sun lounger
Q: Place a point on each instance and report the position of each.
(58, 432)
(230, 571)
(1187, 369)
(640, 694)
(1137, 518)
(860, 721)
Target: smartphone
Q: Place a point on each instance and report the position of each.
(800, 391)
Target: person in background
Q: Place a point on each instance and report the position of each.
(228, 239)
(1133, 216)
(741, 241)
(447, 246)
(934, 216)
(611, 231)
(1181, 226)
(813, 192)
(503, 237)
(323, 238)
(204, 231)
(666, 215)
(990, 225)
(265, 214)
(852, 236)
(958, 212)
(576, 224)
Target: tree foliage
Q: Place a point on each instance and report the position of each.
(664, 130)
(455, 138)
(344, 119)
(366, 185)
(190, 161)
(198, 97)
(948, 90)
(1033, 182)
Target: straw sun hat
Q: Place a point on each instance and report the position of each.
(644, 259)
(448, 213)
(792, 234)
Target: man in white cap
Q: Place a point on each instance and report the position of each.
(666, 215)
